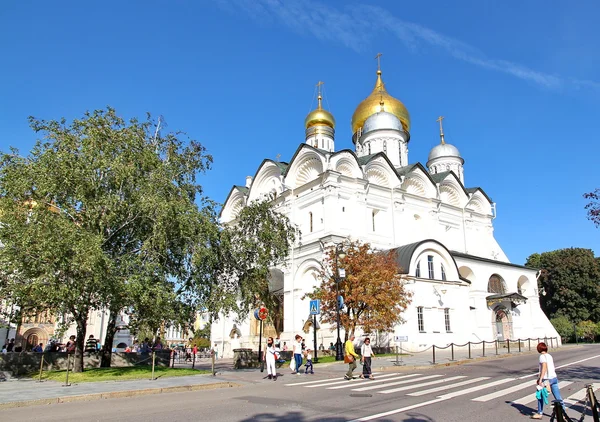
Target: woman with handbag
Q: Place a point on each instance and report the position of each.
(350, 357)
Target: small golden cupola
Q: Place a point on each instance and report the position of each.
(320, 125)
(379, 100)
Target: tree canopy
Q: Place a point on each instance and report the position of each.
(373, 290)
(569, 283)
(107, 214)
(593, 207)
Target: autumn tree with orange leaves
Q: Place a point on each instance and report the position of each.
(374, 293)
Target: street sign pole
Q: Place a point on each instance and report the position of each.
(315, 336)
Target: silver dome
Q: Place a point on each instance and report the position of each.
(381, 120)
(443, 150)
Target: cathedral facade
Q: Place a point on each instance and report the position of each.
(464, 287)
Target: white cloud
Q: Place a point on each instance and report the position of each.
(347, 27)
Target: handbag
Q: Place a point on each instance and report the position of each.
(348, 358)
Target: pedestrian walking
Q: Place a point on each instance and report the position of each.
(308, 367)
(546, 379)
(270, 358)
(91, 344)
(366, 354)
(350, 357)
(297, 347)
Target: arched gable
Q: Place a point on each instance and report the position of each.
(235, 202)
(479, 203)
(308, 274)
(306, 165)
(414, 255)
(379, 172)
(266, 181)
(418, 182)
(346, 163)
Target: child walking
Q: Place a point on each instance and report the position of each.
(309, 365)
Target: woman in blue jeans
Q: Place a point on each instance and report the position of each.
(297, 347)
(546, 376)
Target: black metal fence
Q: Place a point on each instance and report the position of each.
(493, 347)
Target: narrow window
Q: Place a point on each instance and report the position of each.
(369, 148)
(310, 218)
(385, 147)
(373, 218)
(430, 266)
(447, 320)
(418, 270)
(420, 319)
(443, 272)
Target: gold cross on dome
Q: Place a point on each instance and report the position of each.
(439, 119)
(378, 57)
(319, 86)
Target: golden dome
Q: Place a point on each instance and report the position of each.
(380, 100)
(319, 117)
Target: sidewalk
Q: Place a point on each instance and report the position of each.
(29, 392)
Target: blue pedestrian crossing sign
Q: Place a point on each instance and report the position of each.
(315, 307)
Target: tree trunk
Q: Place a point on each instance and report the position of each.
(111, 330)
(81, 323)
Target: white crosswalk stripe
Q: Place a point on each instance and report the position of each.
(447, 387)
(425, 384)
(376, 383)
(416, 382)
(345, 383)
(389, 384)
(473, 389)
(504, 391)
(531, 396)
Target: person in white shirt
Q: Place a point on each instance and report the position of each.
(366, 354)
(297, 354)
(270, 358)
(546, 377)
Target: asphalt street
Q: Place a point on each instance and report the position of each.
(491, 390)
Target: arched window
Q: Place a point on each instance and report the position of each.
(443, 272)
(430, 266)
(418, 270)
(496, 285)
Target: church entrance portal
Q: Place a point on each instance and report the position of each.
(502, 325)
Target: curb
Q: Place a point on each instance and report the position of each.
(117, 394)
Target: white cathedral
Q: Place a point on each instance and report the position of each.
(464, 287)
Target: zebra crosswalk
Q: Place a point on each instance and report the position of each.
(416, 385)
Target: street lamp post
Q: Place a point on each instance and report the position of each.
(339, 253)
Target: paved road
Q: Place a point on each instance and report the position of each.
(491, 390)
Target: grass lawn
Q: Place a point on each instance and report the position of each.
(118, 374)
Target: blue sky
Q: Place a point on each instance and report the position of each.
(517, 82)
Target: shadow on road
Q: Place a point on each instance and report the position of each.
(299, 417)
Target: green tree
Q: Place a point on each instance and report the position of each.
(569, 283)
(237, 277)
(102, 214)
(373, 290)
(563, 326)
(587, 329)
(593, 207)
